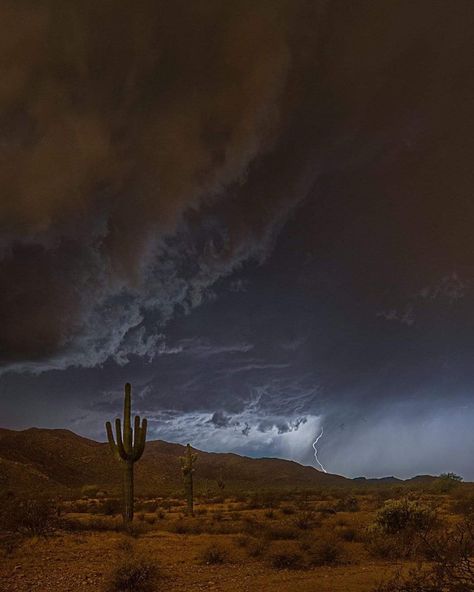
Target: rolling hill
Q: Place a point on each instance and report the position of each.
(59, 461)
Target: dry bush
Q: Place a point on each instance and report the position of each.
(347, 533)
(286, 560)
(270, 514)
(133, 575)
(92, 524)
(278, 532)
(214, 555)
(463, 505)
(306, 520)
(109, 507)
(27, 517)
(288, 510)
(325, 551)
(451, 566)
(347, 504)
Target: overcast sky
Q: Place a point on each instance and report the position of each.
(259, 213)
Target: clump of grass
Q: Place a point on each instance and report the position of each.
(133, 575)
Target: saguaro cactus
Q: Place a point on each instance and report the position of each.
(187, 467)
(127, 450)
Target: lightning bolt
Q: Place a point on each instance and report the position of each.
(316, 450)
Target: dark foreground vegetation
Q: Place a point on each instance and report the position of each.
(396, 539)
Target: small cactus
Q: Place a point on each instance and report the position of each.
(187, 467)
(127, 450)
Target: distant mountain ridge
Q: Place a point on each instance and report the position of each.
(58, 461)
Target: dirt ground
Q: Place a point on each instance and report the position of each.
(74, 562)
(229, 546)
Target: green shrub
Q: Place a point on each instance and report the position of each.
(401, 515)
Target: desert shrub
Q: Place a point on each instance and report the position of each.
(445, 483)
(9, 544)
(326, 551)
(214, 555)
(270, 514)
(451, 568)
(399, 529)
(27, 517)
(89, 490)
(347, 504)
(383, 546)
(306, 520)
(187, 526)
(256, 547)
(401, 515)
(93, 524)
(286, 560)
(217, 515)
(463, 505)
(280, 532)
(133, 575)
(347, 533)
(109, 507)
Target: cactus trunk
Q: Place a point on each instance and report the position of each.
(128, 492)
(187, 467)
(189, 494)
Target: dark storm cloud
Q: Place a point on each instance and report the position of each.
(260, 214)
(115, 122)
(149, 151)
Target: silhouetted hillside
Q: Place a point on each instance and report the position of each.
(59, 461)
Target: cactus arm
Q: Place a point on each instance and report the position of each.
(140, 437)
(127, 429)
(120, 447)
(136, 432)
(110, 438)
